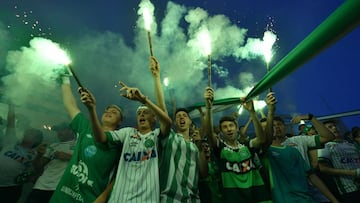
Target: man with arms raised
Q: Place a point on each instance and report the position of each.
(241, 179)
(88, 172)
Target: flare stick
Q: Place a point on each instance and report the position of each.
(150, 44)
(209, 71)
(75, 77)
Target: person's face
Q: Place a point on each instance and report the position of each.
(112, 116)
(333, 128)
(182, 121)
(279, 129)
(206, 149)
(301, 128)
(195, 134)
(145, 118)
(29, 138)
(312, 131)
(357, 139)
(263, 125)
(229, 130)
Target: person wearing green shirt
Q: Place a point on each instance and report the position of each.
(88, 172)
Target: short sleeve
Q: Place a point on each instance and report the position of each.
(324, 154)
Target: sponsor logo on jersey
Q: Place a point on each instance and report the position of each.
(140, 156)
(90, 151)
(240, 167)
(82, 172)
(347, 160)
(23, 159)
(72, 193)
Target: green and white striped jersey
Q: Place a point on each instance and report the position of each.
(179, 170)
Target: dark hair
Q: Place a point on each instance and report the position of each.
(38, 136)
(329, 121)
(355, 132)
(182, 109)
(228, 118)
(278, 118)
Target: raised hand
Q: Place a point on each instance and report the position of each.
(154, 67)
(87, 98)
(298, 118)
(248, 105)
(209, 97)
(131, 93)
(271, 100)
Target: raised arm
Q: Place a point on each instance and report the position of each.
(208, 120)
(154, 67)
(136, 95)
(68, 97)
(260, 136)
(10, 132)
(271, 104)
(89, 101)
(325, 134)
(10, 119)
(244, 129)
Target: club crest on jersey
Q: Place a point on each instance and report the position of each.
(149, 143)
(90, 151)
(140, 156)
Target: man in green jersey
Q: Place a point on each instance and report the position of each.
(241, 180)
(83, 179)
(180, 156)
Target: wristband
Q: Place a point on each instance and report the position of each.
(310, 116)
(65, 80)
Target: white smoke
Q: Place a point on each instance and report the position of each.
(101, 59)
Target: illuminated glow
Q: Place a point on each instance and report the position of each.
(268, 42)
(146, 10)
(147, 19)
(166, 81)
(259, 105)
(47, 127)
(51, 51)
(240, 109)
(205, 40)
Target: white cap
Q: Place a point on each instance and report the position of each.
(302, 122)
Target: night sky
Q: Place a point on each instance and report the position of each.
(107, 43)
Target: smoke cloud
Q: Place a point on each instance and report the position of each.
(102, 59)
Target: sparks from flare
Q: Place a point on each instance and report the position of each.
(204, 37)
(268, 42)
(54, 53)
(145, 8)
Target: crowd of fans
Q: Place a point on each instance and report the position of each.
(167, 159)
